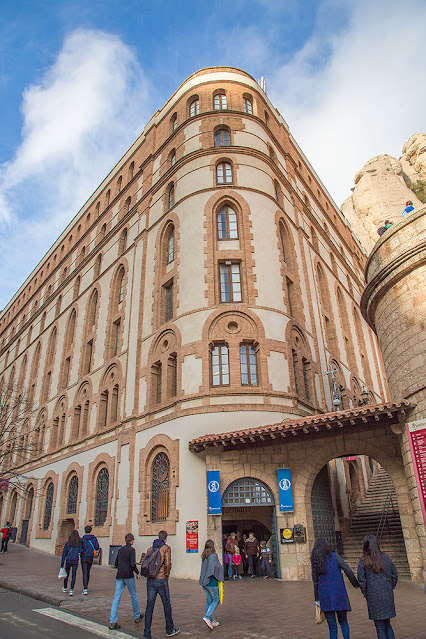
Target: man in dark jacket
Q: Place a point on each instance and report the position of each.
(6, 535)
(159, 585)
(126, 569)
(90, 547)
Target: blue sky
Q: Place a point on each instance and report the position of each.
(79, 80)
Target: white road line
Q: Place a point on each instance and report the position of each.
(90, 626)
(14, 620)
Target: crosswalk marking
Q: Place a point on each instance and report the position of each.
(90, 626)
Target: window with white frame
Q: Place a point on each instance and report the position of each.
(219, 365)
(224, 173)
(220, 102)
(227, 228)
(230, 282)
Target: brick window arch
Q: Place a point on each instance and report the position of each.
(220, 102)
(165, 375)
(327, 313)
(116, 314)
(248, 104)
(90, 332)
(108, 413)
(68, 349)
(160, 487)
(48, 369)
(194, 106)
(302, 369)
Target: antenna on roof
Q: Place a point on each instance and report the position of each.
(262, 83)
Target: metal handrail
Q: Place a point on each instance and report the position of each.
(384, 515)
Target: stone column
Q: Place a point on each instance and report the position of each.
(394, 304)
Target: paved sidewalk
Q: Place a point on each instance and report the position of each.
(252, 608)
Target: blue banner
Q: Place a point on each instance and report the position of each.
(213, 487)
(285, 490)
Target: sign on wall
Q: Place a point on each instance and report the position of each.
(285, 490)
(213, 488)
(192, 536)
(4, 484)
(417, 437)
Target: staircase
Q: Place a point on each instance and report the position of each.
(366, 519)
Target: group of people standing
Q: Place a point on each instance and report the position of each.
(242, 556)
(376, 577)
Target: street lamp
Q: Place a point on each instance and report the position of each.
(364, 396)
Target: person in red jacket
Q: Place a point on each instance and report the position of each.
(6, 535)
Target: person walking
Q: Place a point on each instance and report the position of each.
(377, 578)
(211, 573)
(265, 560)
(125, 563)
(329, 586)
(252, 553)
(70, 556)
(6, 535)
(90, 548)
(229, 550)
(159, 585)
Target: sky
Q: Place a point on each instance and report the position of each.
(79, 80)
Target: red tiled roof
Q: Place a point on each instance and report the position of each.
(362, 415)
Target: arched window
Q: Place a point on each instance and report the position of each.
(224, 173)
(97, 266)
(119, 183)
(72, 495)
(227, 228)
(194, 108)
(108, 197)
(222, 137)
(48, 507)
(102, 487)
(76, 288)
(171, 196)
(128, 205)
(173, 122)
(172, 157)
(92, 309)
(248, 106)
(219, 102)
(123, 242)
(131, 170)
(171, 245)
(160, 487)
(284, 242)
(120, 285)
(29, 503)
(13, 504)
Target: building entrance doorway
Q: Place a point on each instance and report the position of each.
(248, 506)
(65, 529)
(352, 496)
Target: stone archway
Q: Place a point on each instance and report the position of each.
(374, 445)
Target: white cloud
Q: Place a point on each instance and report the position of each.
(357, 92)
(80, 117)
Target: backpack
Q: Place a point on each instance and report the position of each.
(151, 564)
(8, 533)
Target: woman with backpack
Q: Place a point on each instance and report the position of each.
(210, 575)
(329, 586)
(377, 578)
(70, 556)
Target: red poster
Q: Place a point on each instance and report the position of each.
(417, 438)
(192, 536)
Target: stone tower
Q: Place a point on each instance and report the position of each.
(394, 304)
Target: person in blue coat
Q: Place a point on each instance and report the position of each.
(70, 556)
(329, 586)
(90, 548)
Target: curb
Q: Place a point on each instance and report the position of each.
(34, 594)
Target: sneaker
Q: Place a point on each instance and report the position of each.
(239, 577)
(71, 593)
(64, 589)
(265, 577)
(114, 626)
(214, 623)
(140, 618)
(252, 576)
(174, 632)
(208, 623)
(84, 591)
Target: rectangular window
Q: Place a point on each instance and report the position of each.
(89, 353)
(172, 375)
(248, 365)
(227, 228)
(305, 366)
(220, 365)
(157, 373)
(169, 302)
(230, 282)
(116, 337)
(294, 354)
(290, 297)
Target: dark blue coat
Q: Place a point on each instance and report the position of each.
(330, 588)
(88, 554)
(377, 588)
(70, 554)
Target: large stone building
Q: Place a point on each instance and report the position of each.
(206, 287)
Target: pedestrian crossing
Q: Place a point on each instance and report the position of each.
(82, 624)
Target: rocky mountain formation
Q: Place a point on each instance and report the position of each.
(383, 186)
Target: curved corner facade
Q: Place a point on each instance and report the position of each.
(207, 286)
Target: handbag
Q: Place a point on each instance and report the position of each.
(62, 573)
(319, 615)
(220, 584)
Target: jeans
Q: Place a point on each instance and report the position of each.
(120, 584)
(384, 629)
(68, 567)
(212, 600)
(252, 562)
(265, 567)
(86, 565)
(4, 543)
(229, 565)
(156, 587)
(332, 624)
